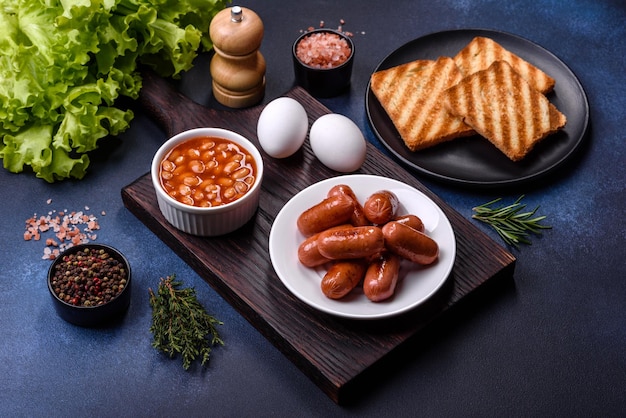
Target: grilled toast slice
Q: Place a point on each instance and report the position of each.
(502, 107)
(410, 94)
(481, 52)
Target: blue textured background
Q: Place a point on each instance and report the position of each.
(552, 343)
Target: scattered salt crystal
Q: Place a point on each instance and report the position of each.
(66, 227)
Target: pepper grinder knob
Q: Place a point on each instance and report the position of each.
(236, 14)
(237, 68)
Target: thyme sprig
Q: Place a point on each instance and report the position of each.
(180, 324)
(513, 225)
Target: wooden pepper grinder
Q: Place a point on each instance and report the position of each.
(237, 68)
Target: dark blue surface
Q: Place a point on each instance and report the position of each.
(552, 343)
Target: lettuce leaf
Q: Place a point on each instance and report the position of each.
(64, 64)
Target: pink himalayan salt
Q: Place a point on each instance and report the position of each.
(323, 50)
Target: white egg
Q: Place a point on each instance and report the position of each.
(338, 143)
(282, 127)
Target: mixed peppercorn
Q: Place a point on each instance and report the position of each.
(89, 277)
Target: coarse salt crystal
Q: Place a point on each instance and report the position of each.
(323, 50)
(66, 226)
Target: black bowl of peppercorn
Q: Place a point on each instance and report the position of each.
(90, 284)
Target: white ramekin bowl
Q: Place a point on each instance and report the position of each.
(208, 221)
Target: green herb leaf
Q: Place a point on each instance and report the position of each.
(512, 225)
(180, 324)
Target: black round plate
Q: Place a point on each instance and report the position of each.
(474, 160)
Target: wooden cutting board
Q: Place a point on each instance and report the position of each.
(333, 352)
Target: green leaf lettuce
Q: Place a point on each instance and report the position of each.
(64, 64)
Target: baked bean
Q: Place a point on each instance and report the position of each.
(241, 173)
(230, 193)
(241, 187)
(207, 145)
(225, 181)
(197, 166)
(192, 180)
(198, 195)
(193, 153)
(184, 190)
(207, 171)
(167, 166)
(231, 166)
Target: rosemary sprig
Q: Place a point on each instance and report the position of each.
(180, 324)
(513, 225)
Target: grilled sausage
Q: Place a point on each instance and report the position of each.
(358, 216)
(350, 243)
(332, 211)
(308, 252)
(381, 277)
(411, 220)
(342, 277)
(381, 207)
(409, 243)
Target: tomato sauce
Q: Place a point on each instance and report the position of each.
(207, 172)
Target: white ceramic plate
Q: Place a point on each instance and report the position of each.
(415, 285)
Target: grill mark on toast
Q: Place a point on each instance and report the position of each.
(497, 126)
(511, 106)
(475, 90)
(411, 95)
(528, 117)
(421, 113)
(481, 52)
(501, 106)
(437, 119)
